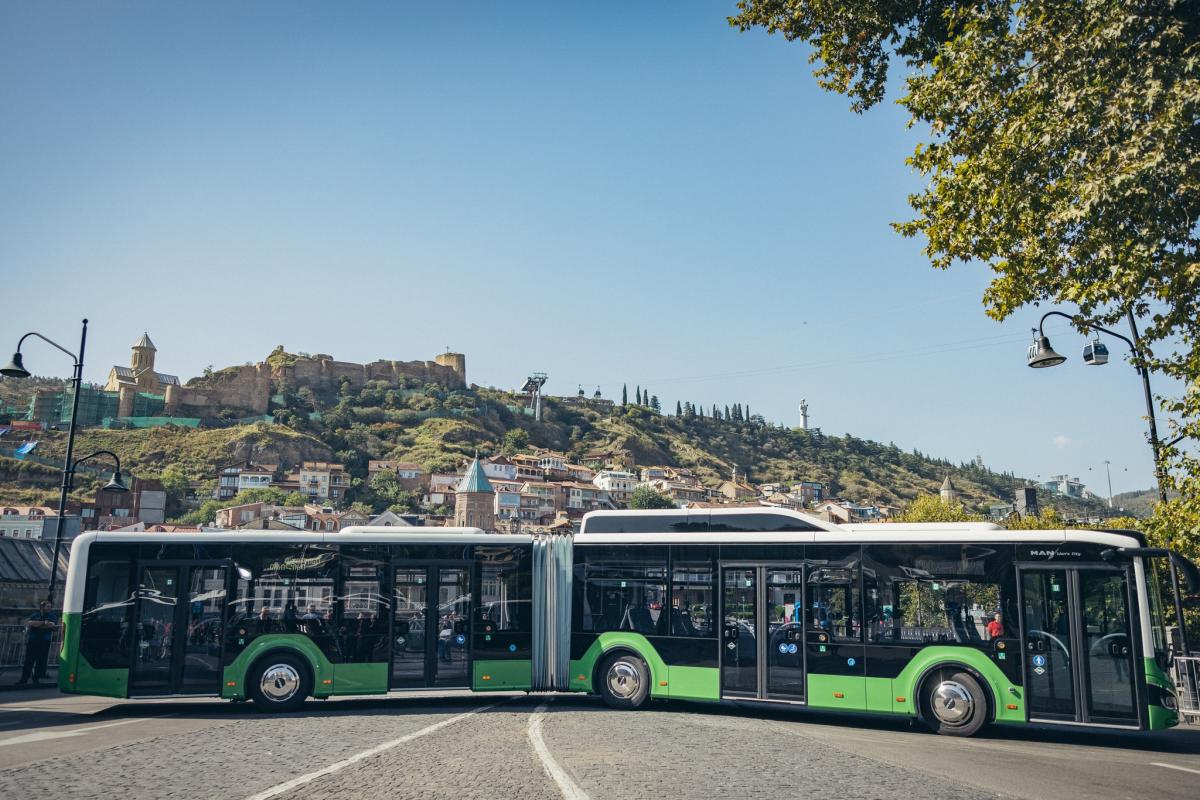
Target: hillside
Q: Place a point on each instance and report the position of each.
(438, 427)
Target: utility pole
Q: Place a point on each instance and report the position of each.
(1108, 474)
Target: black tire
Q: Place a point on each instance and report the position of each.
(279, 683)
(953, 703)
(624, 681)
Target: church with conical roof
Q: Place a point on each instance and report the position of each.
(140, 374)
(475, 500)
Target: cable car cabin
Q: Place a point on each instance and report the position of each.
(1095, 353)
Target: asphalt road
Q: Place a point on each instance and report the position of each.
(554, 747)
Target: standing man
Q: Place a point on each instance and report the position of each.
(40, 630)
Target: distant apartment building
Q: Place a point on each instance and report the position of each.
(583, 497)
(617, 483)
(808, 491)
(1065, 486)
(36, 522)
(500, 469)
(246, 475)
(321, 480)
(146, 501)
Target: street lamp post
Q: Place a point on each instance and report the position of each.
(16, 369)
(1041, 354)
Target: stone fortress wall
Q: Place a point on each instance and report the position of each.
(249, 387)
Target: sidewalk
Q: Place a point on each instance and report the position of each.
(10, 675)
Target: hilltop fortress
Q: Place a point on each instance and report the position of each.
(249, 388)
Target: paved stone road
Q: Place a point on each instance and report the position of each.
(58, 747)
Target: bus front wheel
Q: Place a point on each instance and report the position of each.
(279, 683)
(953, 703)
(624, 681)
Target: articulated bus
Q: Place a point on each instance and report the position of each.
(958, 625)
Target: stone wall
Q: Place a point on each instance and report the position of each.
(248, 388)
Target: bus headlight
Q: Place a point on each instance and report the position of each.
(1168, 702)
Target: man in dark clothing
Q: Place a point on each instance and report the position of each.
(40, 630)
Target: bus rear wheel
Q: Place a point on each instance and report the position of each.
(624, 681)
(279, 683)
(953, 703)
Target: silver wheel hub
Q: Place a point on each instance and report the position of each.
(623, 680)
(952, 703)
(279, 682)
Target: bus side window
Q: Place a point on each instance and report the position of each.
(104, 633)
(833, 602)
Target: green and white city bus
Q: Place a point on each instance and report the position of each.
(956, 624)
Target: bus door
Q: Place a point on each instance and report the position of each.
(179, 628)
(762, 638)
(431, 626)
(1078, 646)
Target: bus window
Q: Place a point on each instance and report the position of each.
(505, 589)
(283, 589)
(363, 628)
(623, 589)
(922, 594)
(104, 632)
(833, 603)
(692, 610)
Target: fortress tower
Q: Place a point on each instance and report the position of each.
(456, 362)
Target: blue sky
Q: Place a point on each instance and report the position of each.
(607, 192)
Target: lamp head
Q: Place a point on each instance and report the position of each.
(115, 484)
(15, 368)
(1041, 354)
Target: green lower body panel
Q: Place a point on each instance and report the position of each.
(234, 683)
(845, 692)
(497, 676)
(77, 676)
(694, 683)
(360, 678)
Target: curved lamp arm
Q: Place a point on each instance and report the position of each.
(78, 461)
(108, 453)
(1087, 323)
(50, 342)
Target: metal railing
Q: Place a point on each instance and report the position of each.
(12, 648)
(1187, 686)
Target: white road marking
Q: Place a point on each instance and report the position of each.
(566, 785)
(1172, 766)
(45, 736)
(354, 759)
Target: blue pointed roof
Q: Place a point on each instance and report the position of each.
(475, 480)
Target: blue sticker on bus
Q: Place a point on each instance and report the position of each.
(512, 648)
(460, 639)
(850, 662)
(1039, 661)
(783, 648)
(791, 649)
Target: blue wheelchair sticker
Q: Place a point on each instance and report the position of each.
(460, 639)
(850, 662)
(791, 649)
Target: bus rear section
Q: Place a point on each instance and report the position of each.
(277, 619)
